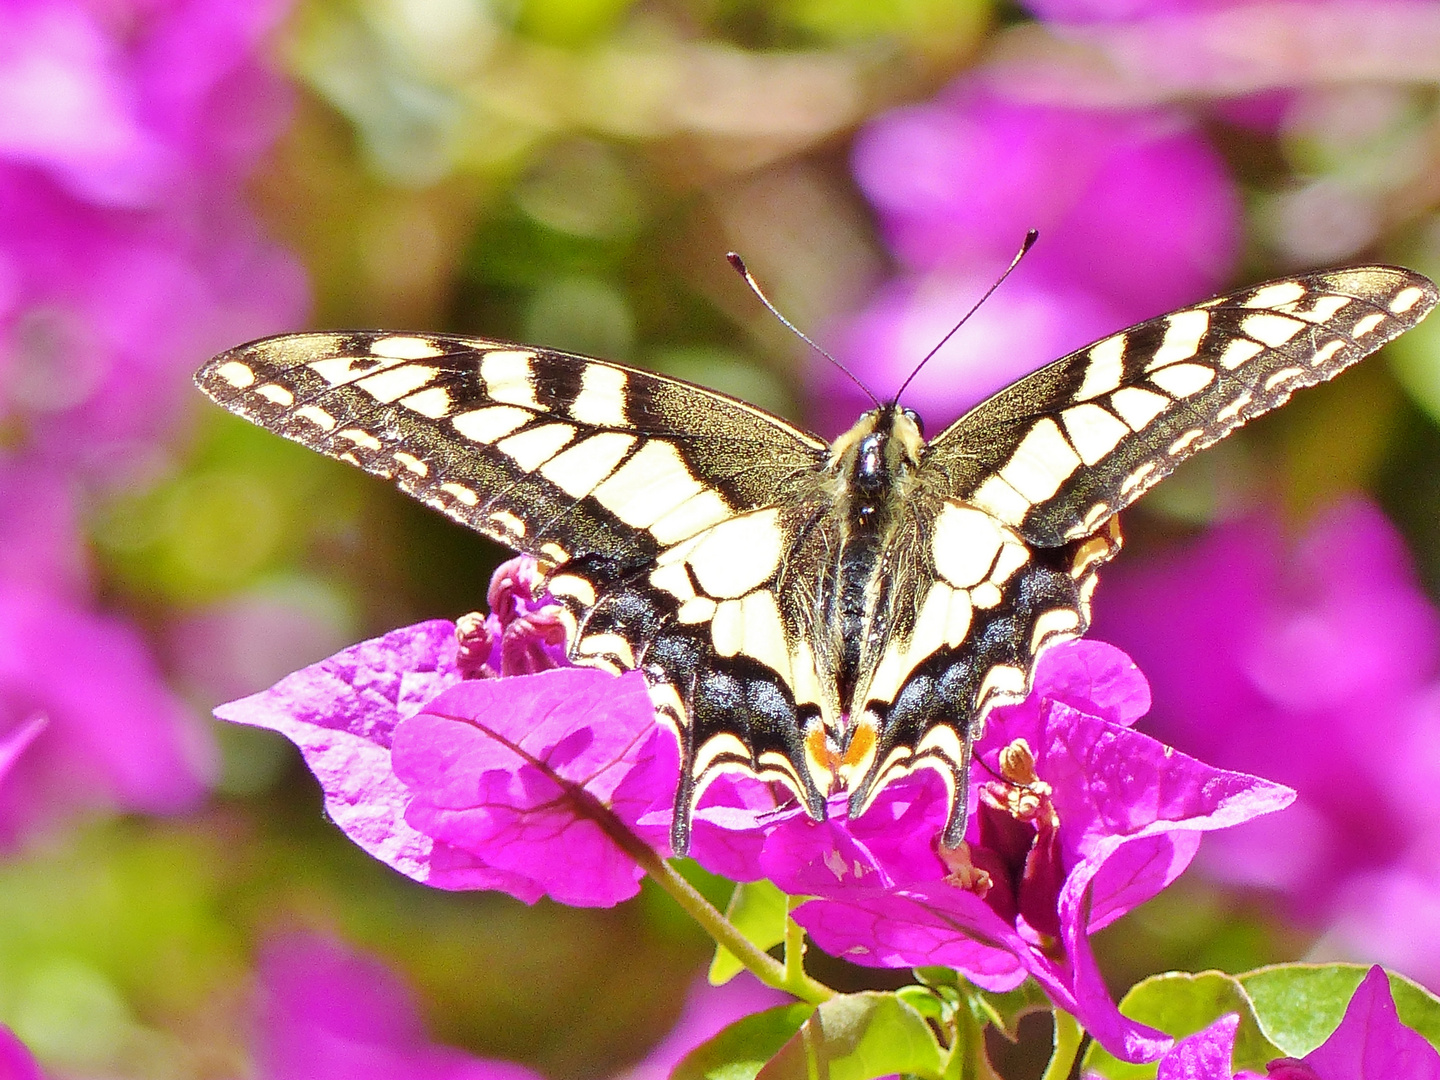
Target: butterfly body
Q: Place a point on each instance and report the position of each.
(829, 616)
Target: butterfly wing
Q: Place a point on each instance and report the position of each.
(1058, 453)
(662, 507)
(1014, 512)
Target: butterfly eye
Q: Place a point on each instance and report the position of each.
(914, 418)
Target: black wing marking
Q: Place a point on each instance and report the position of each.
(1059, 452)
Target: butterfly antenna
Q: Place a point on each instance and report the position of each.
(739, 265)
(1030, 238)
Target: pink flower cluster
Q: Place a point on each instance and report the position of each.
(1318, 663)
(541, 784)
(126, 253)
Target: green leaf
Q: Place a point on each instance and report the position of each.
(1005, 1011)
(759, 911)
(1299, 1005)
(738, 1052)
(858, 1036)
(1180, 1004)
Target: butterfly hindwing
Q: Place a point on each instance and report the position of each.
(1059, 452)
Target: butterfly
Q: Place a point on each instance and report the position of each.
(827, 615)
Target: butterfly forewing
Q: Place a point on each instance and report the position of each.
(1059, 452)
(806, 613)
(549, 453)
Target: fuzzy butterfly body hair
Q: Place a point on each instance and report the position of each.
(830, 616)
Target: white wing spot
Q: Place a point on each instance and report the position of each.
(572, 587)
(335, 369)
(723, 744)
(1183, 332)
(648, 486)
(507, 523)
(1183, 380)
(1057, 622)
(1368, 323)
(601, 400)
(359, 438)
(1105, 369)
(1093, 517)
(1041, 463)
(964, 544)
(1136, 480)
(276, 393)
(1002, 679)
(462, 493)
(404, 348)
(985, 596)
(1284, 375)
(1094, 431)
(1322, 310)
(739, 555)
(957, 621)
(1271, 329)
(1138, 407)
(1239, 351)
(531, 449)
(490, 423)
(1271, 296)
(411, 462)
(1406, 299)
(1181, 444)
(694, 515)
(727, 628)
(394, 383)
(579, 469)
(1326, 351)
(317, 416)
(236, 374)
(1001, 500)
(674, 579)
(1012, 557)
(611, 650)
(554, 552)
(700, 609)
(434, 402)
(508, 378)
(765, 633)
(1231, 411)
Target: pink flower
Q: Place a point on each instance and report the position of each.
(1318, 663)
(1076, 820)
(16, 1061)
(126, 103)
(114, 736)
(463, 779)
(557, 783)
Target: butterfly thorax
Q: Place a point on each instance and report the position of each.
(875, 463)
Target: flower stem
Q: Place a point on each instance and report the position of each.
(794, 947)
(1068, 1036)
(789, 976)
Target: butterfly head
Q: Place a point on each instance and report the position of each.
(883, 447)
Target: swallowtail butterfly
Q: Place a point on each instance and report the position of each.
(827, 615)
